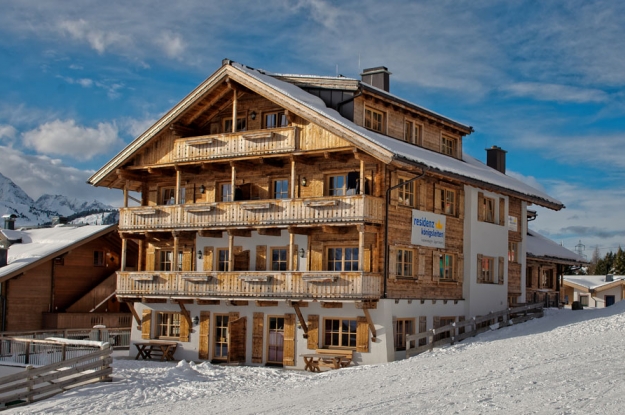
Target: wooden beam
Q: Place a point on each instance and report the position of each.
(367, 304)
(125, 174)
(246, 233)
(243, 165)
(261, 303)
(273, 162)
(185, 313)
(339, 230)
(301, 319)
(207, 302)
(269, 231)
(325, 304)
(236, 303)
(131, 306)
(208, 105)
(155, 172)
(207, 233)
(131, 235)
(153, 300)
(299, 230)
(370, 322)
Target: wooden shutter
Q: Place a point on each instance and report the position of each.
(208, 258)
(187, 259)
(184, 329)
(500, 270)
(438, 200)
(204, 334)
(460, 210)
(261, 257)
(362, 335)
(313, 332)
(257, 337)
(423, 326)
(316, 256)
(459, 267)
(395, 345)
(288, 357)
(502, 211)
(436, 266)
(392, 262)
(366, 267)
(236, 339)
(242, 260)
(153, 195)
(480, 206)
(293, 266)
(150, 258)
(146, 324)
(423, 197)
(479, 268)
(421, 264)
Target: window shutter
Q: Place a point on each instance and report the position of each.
(184, 329)
(395, 193)
(236, 339)
(500, 270)
(460, 210)
(423, 197)
(438, 200)
(316, 256)
(242, 260)
(480, 206)
(257, 337)
(293, 266)
(437, 324)
(362, 335)
(288, 357)
(392, 262)
(395, 345)
(502, 211)
(150, 258)
(208, 258)
(459, 267)
(366, 267)
(313, 332)
(204, 334)
(186, 259)
(421, 264)
(436, 269)
(479, 268)
(146, 324)
(261, 257)
(422, 329)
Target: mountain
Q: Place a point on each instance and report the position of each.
(13, 200)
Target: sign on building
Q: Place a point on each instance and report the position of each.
(428, 229)
(513, 223)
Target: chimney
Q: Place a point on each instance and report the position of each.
(9, 221)
(496, 158)
(378, 77)
(609, 278)
(59, 221)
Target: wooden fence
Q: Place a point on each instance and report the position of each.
(460, 330)
(52, 366)
(116, 337)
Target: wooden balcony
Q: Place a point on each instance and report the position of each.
(274, 212)
(253, 284)
(244, 143)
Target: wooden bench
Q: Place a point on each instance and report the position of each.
(344, 361)
(156, 349)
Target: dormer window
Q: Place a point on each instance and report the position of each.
(449, 146)
(374, 120)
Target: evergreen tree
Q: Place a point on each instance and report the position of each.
(619, 262)
(594, 261)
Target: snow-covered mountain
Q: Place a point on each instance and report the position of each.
(13, 200)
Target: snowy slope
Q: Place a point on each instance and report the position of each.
(569, 362)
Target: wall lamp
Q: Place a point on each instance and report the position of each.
(304, 182)
(199, 254)
(196, 320)
(253, 115)
(202, 189)
(302, 252)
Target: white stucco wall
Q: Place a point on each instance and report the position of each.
(597, 300)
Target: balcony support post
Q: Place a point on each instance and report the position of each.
(230, 252)
(233, 179)
(174, 260)
(361, 247)
(126, 194)
(362, 177)
(140, 265)
(234, 112)
(292, 260)
(124, 249)
(177, 186)
(293, 178)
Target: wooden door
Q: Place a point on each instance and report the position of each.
(242, 261)
(236, 340)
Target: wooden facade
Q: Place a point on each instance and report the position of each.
(252, 196)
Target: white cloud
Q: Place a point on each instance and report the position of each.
(38, 175)
(529, 180)
(136, 127)
(99, 40)
(172, 43)
(7, 133)
(68, 139)
(554, 92)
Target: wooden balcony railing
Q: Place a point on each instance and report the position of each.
(244, 143)
(254, 284)
(324, 210)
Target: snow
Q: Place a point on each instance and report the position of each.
(540, 246)
(75, 342)
(592, 281)
(568, 362)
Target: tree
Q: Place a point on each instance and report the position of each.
(594, 261)
(619, 262)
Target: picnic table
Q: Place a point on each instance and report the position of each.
(156, 348)
(337, 360)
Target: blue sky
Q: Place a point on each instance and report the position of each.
(543, 80)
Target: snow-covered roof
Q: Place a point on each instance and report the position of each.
(540, 246)
(468, 167)
(43, 243)
(592, 281)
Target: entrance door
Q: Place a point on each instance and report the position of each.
(275, 345)
(609, 300)
(221, 337)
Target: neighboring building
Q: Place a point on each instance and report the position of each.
(594, 291)
(60, 277)
(547, 261)
(264, 229)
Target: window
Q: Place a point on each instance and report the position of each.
(221, 337)
(447, 198)
(281, 189)
(278, 259)
(168, 195)
(547, 278)
(337, 185)
(448, 146)
(405, 264)
(409, 131)
(222, 259)
(342, 259)
(98, 258)
(487, 209)
(402, 327)
(487, 274)
(446, 267)
(528, 277)
(168, 325)
(340, 333)
(275, 120)
(241, 125)
(166, 259)
(584, 300)
(374, 120)
(442, 322)
(226, 192)
(513, 252)
(406, 193)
